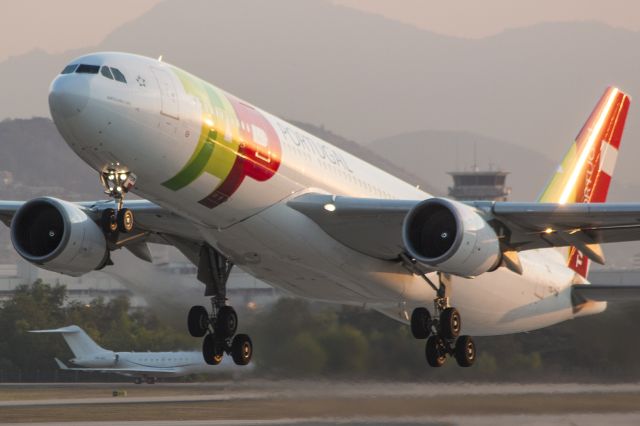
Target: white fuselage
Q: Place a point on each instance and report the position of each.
(176, 364)
(153, 125)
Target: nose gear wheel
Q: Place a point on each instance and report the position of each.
(117, 181)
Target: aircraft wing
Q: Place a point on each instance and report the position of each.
(154, 224)
(374, 226)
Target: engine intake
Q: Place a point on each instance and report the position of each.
(58, 236)
(451, 237)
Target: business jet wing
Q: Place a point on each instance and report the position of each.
(127, 371)
(374, 226)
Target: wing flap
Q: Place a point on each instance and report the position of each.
(539, 225)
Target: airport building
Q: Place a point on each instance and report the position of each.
(169, 271)
(480, 185)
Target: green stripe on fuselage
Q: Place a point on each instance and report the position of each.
(194, 167)
(217, 147)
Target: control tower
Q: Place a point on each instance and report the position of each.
(479, 185)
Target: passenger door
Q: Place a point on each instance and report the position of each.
(169, 96)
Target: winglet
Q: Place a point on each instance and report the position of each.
(584, 176)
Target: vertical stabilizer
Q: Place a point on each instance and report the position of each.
(79, 342)
(585, 173)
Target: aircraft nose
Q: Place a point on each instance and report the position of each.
(68, 95)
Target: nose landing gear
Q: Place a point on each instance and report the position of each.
(117, 182)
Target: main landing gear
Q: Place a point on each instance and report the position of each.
(117, 182)
(219, 326)
(147, 379)
(443, 331)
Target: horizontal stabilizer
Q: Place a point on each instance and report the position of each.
(61, 364)
(69, 329)
(605, 293)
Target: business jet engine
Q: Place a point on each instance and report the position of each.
(451, 237)
(59, 236)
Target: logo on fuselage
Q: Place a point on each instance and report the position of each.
(236, 141)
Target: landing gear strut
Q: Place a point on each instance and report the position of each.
(117, 182)
(219, 326)
(443, 331)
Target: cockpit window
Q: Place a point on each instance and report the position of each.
(105, 72)
(69, 69)
(87, 69)
(118, 75)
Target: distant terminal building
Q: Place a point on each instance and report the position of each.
(170, 277)
(480, 185)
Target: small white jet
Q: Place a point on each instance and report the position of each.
(229, 184)
(144, 366)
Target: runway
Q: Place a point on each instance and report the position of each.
(262, 402)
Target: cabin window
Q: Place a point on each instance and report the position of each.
(105, 72)
(87, 69)
(118, 75)
(69, 69)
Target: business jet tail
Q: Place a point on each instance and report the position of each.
(79, 342)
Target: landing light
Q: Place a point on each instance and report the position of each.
(112, 177)
(548, 231)
(330, 207)
(123, 176)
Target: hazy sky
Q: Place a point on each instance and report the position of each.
(60, 25)
(67, 24)
(481, 18)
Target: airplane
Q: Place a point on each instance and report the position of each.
(143, 366)
(227, 183)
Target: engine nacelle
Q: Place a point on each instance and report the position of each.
(57, 235)
(451, 237)
(106, 359)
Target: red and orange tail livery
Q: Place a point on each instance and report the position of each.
(585, 173)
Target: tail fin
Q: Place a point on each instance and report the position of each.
(79, 342)
(585, 173)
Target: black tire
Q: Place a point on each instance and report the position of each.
(108, 221)
(125, 221)
(226, 322)
(465, 351)
(450, 323)
(420, 323)
(198, 321)
(435, 351)
(212, 349)
(241, 349)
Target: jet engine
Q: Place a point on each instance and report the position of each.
(107, 359)
(59, 236)
(451, 237)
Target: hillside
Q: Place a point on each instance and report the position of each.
(367, 77)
